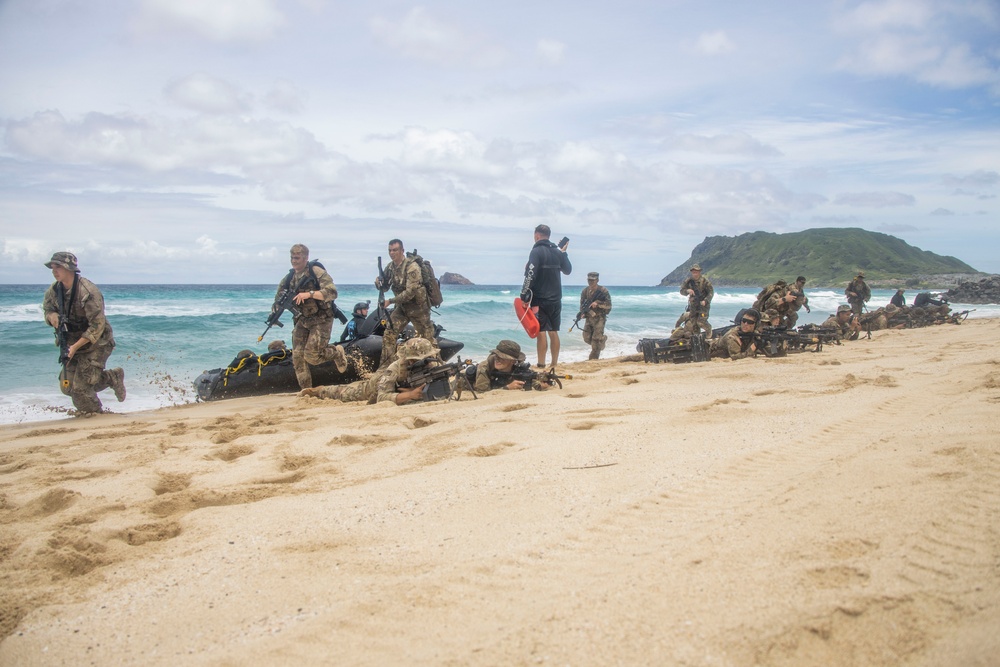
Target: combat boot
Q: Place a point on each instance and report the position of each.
(117, 377)
(340, 358)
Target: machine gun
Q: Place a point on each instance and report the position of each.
(436, 378)
(815, 334)
(522, 371)
(776, 341)
(286, 299)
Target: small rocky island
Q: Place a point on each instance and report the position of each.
(986, 290)
(454, 279)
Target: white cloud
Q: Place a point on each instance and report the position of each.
(714, 43)
(737, 143)
(874, 199)
(207, 94)
(214, 20)
(978, 178)
(930, 42)
(551, 51)
(942, 211)
(423, 37)
(221, 143)
(285, 96)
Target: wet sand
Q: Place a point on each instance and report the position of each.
(832, 508)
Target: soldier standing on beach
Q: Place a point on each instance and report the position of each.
(314, 317)
(595, 304)
(75, 306)
(699, 291)
(857, 293)
(404, 278)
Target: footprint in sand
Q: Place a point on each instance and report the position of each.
(150, 532)
(50, 502)
(490, 450)
(171, 483)
(232, 452)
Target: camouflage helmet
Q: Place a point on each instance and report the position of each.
(417, 348)
(771, 314)
(66, 260)
(843, 309)
(276, 345)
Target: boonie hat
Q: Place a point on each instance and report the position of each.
(593, 275)
(861, 274)
(417, 348)
(66, 260)
(509, 350)
(843, 309)
(770, 314)
(696, 267)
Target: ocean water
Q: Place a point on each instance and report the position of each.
(168, 334)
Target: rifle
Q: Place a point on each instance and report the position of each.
(522, 371)
(436, 377)
(775, 341)
(286, 300)
(382, 312)
(62, 331)
(580, 314)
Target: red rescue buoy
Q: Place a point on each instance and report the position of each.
(526, 317)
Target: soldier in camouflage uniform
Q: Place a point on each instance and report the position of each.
(490, 374)
(798, 290)
(844, 321)
(738, 342)
(91, 340)
(698, 306)
(383, 384)
(595, 304)
(404, 278)
(858, 293)
(314, 319)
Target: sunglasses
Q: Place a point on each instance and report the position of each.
(746, 321)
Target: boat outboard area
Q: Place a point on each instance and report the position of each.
(249, 374)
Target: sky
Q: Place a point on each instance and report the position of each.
(185, 141)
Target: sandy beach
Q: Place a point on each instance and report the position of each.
(831, 508)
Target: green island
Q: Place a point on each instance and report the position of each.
(827, 257)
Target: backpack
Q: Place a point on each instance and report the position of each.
(429, 280)
(766, 293)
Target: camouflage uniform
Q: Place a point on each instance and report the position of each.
(833, 322)
(861, 291)
(411, 305)
(792, 314)
(487, 376)
(313, 324)
(698, 318)
(731, 345)
(876, 320)
(383, 384)
(596, 317)
(84, 374)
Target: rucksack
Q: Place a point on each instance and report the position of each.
(766, 293)
(429, 280)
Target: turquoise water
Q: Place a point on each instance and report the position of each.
(168, 334)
